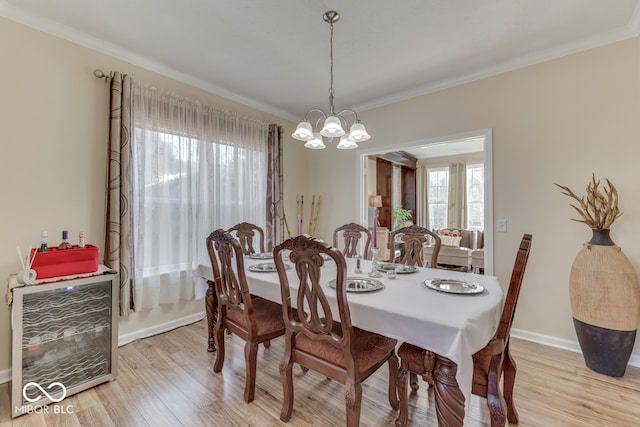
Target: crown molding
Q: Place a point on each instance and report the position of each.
(124, 54)
(632, 30)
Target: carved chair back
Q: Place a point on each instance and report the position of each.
(511, 300)
(352, 233)
(232, 289)
(412, 239)
(246, 234)
(312, 315)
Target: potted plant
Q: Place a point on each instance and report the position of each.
(400, 217)
(603, 285)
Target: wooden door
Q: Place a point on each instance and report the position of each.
(384, 172)
(408, 188)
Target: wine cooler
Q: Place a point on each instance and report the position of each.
(65, 337)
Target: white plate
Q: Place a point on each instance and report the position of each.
(399, 268)
(262, 255)
(454, 286)
(266, 267)
(360, 284)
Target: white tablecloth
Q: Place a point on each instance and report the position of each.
(453, 326)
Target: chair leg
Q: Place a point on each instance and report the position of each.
(353, 401)
(509, 376)
(413, 380)
(267, 344)
(401, 421)
(495, 400)
(250, 357)
(286, 377)
(393, 385)
(219, 339)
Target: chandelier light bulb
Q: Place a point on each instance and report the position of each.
(316, 143)
(346, 143)
(332, 127)
(358, 132)
(304, 131)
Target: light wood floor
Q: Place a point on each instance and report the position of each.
(167, 380)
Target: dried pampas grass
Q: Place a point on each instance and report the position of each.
(599, 209)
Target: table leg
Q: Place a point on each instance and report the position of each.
(449, 397)
(211, 306)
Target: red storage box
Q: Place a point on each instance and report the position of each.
(65, 262)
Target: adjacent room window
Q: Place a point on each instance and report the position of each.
(438, 196)
(438, 193)
(475, 196)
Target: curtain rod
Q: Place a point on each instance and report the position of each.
(101, 75)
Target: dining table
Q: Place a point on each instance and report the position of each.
(408, 308)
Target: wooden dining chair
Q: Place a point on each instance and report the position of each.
(246, 234)
(410, 241)
(321, 339)
(352, 233)
(489, 364)
(255, 320)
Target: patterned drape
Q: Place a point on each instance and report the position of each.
(118, 251)
(275, 217)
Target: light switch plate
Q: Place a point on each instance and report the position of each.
(501, 225)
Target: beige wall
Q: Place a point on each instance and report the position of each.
(558, 121)
(53, 142)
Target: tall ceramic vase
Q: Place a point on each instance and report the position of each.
(605, 303)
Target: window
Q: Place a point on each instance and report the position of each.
(195, 169)
(438, 181)
(475, 196)
(178, 188)
(438, 196)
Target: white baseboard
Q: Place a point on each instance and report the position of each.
(5, 375)
(550, 341)
(160, 328)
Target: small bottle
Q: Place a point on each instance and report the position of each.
(44, 246)
(81, 240)
(65, 241)
(358, 269)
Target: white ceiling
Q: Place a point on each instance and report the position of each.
(274, 55)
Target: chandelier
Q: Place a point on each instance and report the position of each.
(334, 124)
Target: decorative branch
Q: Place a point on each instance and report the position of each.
(599, 209)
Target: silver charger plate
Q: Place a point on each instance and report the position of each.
(399, 268)
(266, 267)
(261, 255)
(454, 286)
(360, 284)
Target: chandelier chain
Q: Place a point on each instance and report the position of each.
(331, 90)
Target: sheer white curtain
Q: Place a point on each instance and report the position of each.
(196, 169)
(396, 186)
(422, 199)
(457, 217)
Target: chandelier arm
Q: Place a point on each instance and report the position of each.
(322, 116)
(347, 110)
